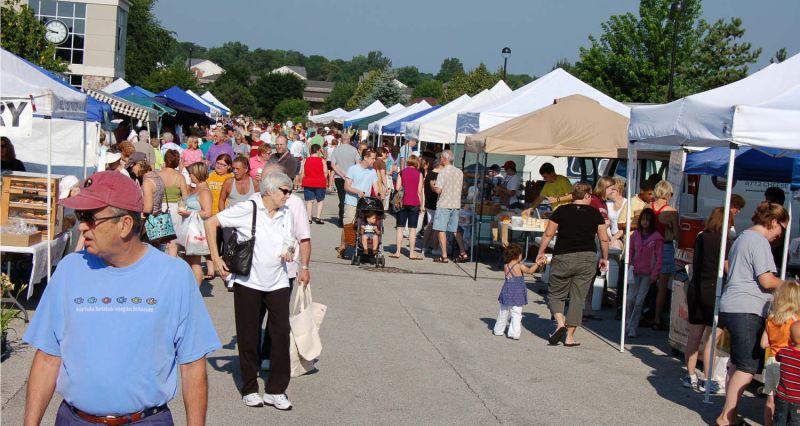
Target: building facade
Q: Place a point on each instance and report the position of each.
(94, 41)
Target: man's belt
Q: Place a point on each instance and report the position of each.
(118, 420)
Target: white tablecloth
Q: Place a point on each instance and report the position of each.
(39, 255)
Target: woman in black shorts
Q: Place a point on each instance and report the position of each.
(701, 295)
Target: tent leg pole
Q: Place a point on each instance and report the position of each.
(84, 147)
(631, 181)
(787, 238)
(720, 270)
(480, 222)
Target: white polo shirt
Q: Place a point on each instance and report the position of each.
(301, 229)
(269, 271)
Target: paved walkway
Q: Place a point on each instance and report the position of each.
(416, 348)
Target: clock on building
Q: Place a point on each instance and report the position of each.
(57, 32)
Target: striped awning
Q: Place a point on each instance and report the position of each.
(124, 106)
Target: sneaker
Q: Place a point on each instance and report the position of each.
(252, 400)
(689, 382)
(714, 388)
(279, 401)
(265, 365)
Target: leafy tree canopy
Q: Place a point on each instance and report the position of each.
(23, 35)
(385, 90)
(149, 44)
(471, 84)
(165, 77)
(291, 109)
(270, 89)
(449, 69)
(339, 96)
(428, 89)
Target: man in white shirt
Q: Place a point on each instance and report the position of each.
(168, 140)
(406, 151)
(508, 190)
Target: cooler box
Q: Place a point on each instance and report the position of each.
(691, 225)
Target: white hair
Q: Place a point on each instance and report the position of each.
(167, 137)
(271, 181)
(446, 155)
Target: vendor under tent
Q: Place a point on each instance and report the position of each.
(396, 127)
(213, 99)
(709, 119)
(574, 126)
(531, 97)
(411, 128)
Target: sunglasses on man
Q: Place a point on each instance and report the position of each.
(88, 217)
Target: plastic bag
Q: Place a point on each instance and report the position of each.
(192, 236)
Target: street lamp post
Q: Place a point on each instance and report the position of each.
(674, 9)
(190, 59)
(506, 52)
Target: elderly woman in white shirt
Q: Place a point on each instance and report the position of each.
(267, 285)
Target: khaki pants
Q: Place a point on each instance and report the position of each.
(571, 275)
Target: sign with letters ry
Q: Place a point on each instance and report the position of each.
(16, 118)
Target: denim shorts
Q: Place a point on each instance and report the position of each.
(446, 220)
(668, 262)
(745, 331)
(311, 194)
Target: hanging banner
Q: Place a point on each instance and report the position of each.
(675, 176)
(16, 118)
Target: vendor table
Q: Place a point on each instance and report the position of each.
(528, 232)
(39, 253)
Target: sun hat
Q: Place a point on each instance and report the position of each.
(104, 189)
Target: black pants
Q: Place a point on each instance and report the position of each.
(266, 342)
(340, 193)
(248, 305)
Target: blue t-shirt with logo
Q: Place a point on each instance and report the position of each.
(362, 179)
(121, 332)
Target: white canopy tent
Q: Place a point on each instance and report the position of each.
(215, 111)
(442, 129)
(773, 123)
(394, 108)
(531, 97)
(327, 117)
(213, 99)
(377, 126)
(710, 119)
(346, 116)
(24, 85)
(373, 108)
(411, 128)
(116, 86)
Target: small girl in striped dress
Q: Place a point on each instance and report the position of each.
(514, 294)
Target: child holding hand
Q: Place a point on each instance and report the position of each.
(514, 294)
(776, 337)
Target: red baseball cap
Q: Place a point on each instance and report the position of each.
(510, 165)
(108, 188)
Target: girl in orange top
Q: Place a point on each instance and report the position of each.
(222, 171)
(784, 311)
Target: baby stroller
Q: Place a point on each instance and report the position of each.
(366, 206)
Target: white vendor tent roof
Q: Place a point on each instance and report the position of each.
(394, 108)
(21, 80)
(215, 110)
(411, 128)
(213, 99)
(775, 123)
(377, 126)
(531, 97)
(327, 117)
(116, 86)
(373, 108)
(707, 118)
(346, 116)
(443, 129)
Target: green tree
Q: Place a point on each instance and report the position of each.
(515, 81)
(428, 89)
(410, 76)
(376, 60)
(385, 90)
(471, 84)
(449, 69)
(291, 109)
(23, 35)
(721, 56)
(317, 67)
(363, 90)
(564, 64)
(149, 44)
(271, 88)
(339, 95)
(230, 54)
(232, 88)
(780, 56)
(165, 77)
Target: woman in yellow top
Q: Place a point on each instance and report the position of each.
(222, 171)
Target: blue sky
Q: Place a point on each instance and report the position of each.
(424, 32)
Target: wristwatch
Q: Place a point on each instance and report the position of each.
(305, 267)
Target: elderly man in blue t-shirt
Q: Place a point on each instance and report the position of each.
(117, 321)
(360, 180)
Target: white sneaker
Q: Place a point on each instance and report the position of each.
(265, 365)
(252, 400)
(279, 401)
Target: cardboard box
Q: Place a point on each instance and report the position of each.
(18, 240)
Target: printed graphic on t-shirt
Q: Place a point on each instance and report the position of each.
(115, 304)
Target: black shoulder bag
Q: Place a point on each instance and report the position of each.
(238, 255)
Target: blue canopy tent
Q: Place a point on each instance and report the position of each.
(175, 93)
(135, 91)
(395, 127)
(763, 165)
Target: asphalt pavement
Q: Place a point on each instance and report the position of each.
(412, 344)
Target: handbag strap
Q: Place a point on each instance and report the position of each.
(253, 228)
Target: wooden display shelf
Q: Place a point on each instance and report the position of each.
(32, 186)
(27, 206)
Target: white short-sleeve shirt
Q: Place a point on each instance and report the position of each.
(301, 229)
(269, 272)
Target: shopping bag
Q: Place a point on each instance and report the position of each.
(192, 236)
(305, 318)
(299, 366)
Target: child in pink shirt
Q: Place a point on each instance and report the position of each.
(646, 255)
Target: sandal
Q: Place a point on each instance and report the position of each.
(441, 259)
(394, 256)
(318, 221)
(463, 257)
(416, 257)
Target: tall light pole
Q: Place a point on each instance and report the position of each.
(506, 52)
(190, 58)
(674, 10)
